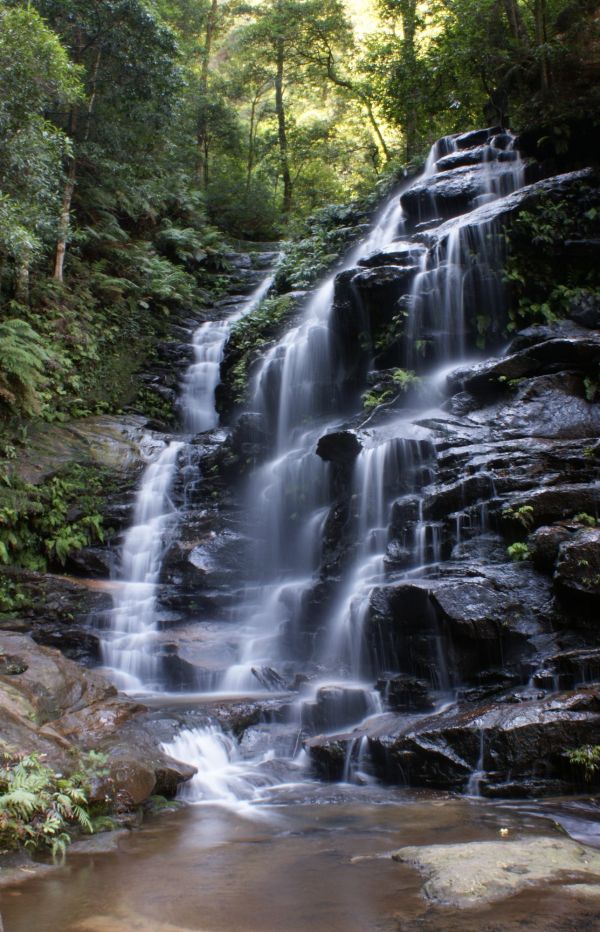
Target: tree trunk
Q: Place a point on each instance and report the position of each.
(282, 132)
(409, 29)
(22, 278)
(515, 21)
(203, 127)
(376, 128)
(64, 220)
(250, 162)
(540, 40)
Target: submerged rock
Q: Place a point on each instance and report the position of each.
(473, 873)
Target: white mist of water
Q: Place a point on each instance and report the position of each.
(223, 777)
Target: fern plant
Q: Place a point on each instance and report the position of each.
(38, 807)
(23, 360)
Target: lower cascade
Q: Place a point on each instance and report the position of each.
(353, 587)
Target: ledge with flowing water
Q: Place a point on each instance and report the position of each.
(360, 572)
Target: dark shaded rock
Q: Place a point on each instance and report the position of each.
(544, 544)
(465, 157)
(446, 631)
(500, 211)
(456, 496)
(475, 137)
(250, 438)
(501, 141)
(581, 666)
(405, 693)
(448, 194)
(549, 406)
(541, 333)
(512, 743)
(579, 354)
(91, 562)
(400, 253)
(268, 678)
(578, 566)
(340, 447)
(584, 309)
(335, 707)
(554, 503)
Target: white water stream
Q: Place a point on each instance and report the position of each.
(301, 392)
(129, 646)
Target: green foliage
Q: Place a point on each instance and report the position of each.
(405, 379)
(23, 362)
(586, 757)
(250, 335)
(518, 552)
(583, 518)
(323, 238)
(524, 515)
(40, 808)
(41, 524)
(13, 597)
(543, 285)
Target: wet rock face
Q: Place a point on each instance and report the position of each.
(445, 632)
(577, 572)
(520, 745)
(52, 706)
(341, 447)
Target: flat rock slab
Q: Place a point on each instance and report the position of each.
(471, 874)
(114, 442)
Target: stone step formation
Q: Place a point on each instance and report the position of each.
(337, 576)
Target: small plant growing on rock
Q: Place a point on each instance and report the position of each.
(584, 518)
(524, 515)
(518, 552)
(588, 758)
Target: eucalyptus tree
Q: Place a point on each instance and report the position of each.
(35, 75)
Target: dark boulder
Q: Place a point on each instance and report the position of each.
(544, 544)
(341, 447)
(405, 693)
(476, 137)
(400, 253)
(335, 707)
(578, 354)
(584, 309)
(578, 567)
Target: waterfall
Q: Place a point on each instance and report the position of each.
(301, 390)
(320, 529)
(130, 648)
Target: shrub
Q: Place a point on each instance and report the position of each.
(39, 807)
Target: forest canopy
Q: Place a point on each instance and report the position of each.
(135, 134)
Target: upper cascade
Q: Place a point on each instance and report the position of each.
(305, 608)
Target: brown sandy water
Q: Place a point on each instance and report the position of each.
(316, 858)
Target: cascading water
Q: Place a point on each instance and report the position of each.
(129, 647)
(304, 611)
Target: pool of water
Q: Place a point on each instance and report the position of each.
(308, 858)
